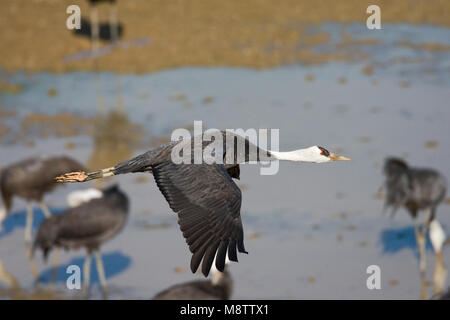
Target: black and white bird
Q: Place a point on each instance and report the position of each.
(204, 195)
(31, 179)
(88, 226)
(416, 189)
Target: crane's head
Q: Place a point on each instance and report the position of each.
(319, 155)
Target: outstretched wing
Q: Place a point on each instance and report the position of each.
(208, 205)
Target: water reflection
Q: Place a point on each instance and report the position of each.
(115, 138)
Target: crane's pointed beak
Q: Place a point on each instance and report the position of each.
(336, 157)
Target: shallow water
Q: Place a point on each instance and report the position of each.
(311, 230)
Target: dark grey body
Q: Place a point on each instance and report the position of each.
(88, 225)
(199, 290)
(32, 178)
(414, 188)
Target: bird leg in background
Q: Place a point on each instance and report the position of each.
(3, 214)
(101, 272)
(95, 31)
(28, 224)
(87, 273)
(45, 210)
(423, 288)
(55, 262)
(33, 267)
(439, 273)
(426, 221)
(421, 242)
(113, 24)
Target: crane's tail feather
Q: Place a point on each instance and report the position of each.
(81, 176)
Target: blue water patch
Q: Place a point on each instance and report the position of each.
(114, 262)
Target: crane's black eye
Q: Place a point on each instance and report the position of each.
(324, 152)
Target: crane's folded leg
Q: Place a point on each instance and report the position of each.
(101, 272)
(28, 224)
(423, 288)
(87, 273)
(420, 240)
(95, 29)
(45, 210)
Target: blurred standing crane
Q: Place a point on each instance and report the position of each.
(31, 179)
(88, 225)
(416, 189)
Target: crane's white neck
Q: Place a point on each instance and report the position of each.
(311, 154)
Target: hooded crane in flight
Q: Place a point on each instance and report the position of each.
(416, 189)
(31, 179)
(204, 195)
